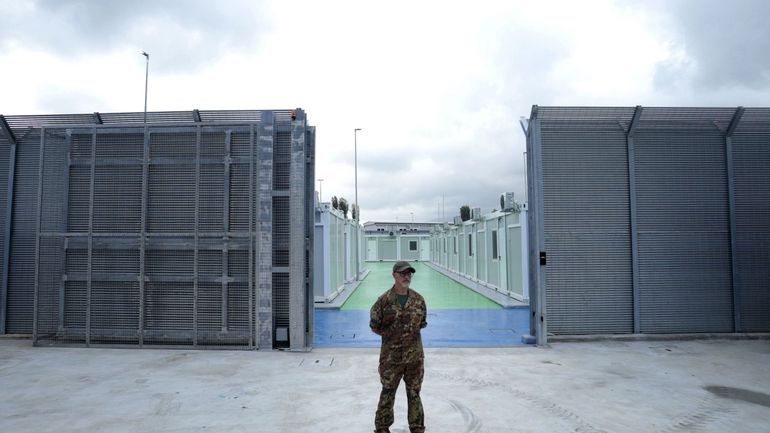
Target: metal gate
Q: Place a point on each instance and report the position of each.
(649, 220)
(175, 233)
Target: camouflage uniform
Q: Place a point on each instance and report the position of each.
(401, 355)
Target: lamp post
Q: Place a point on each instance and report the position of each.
(146, 77)
(320, 190)
(358, 210)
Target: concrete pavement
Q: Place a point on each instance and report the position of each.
(602, 386)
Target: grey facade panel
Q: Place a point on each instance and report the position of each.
(684, 249)
(701, 244)
(6, 150)
(589, 284)
(681, 181)
(178, 254)
(751, 162)
(21, 275)
(685, 282)
(587, 225)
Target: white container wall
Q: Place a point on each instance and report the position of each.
(491, 250)
(335, 252)
(397, 241)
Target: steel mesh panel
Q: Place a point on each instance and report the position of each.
(211, 202)
(240, 145)
(587, 224)
(75, 307)
(209, 308)
(171, 199)
(21, 277)
(238, 263)
(751, 163)
(684, 249)
(119, 262)
(212, 144)
(281, 300)
(54, 182)
(125, 145)
(209, 263)
(281, 231)
(103, 306)
(681, 181)
(238, 307)
(168, 313)
(114, 312)
(5, 156)
(169, 263)
(81, 146)
(78, 197)
(50, 269)
(117, 199)
(173, 144)
(685, 282)
(282, 161)
(240, 179)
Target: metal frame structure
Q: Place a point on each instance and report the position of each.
(696, 207)
(189, 230)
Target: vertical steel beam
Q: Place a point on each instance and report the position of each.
(252, 334)
(264, 256)
(36, 296)
(143, 231)
(6, 130)
(297, 242)
(733, 228)
(226, 229)
(90, 237)
(310, 230)
(65, 213)
(195, 240)
(634, 223)
(538, 253)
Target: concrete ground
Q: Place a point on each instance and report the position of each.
(605, 386)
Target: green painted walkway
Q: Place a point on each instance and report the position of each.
(439, 291)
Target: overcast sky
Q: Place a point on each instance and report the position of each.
(438, 87)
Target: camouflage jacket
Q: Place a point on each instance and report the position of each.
(399, 326)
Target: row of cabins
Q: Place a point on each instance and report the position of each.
(490, 250)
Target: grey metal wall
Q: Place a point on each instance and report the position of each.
(650, 220)
(192, 231)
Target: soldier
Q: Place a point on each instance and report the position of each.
(398, 316)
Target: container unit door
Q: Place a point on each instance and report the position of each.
(387, 249)
(587, 228)
(371, 249)
(683, 229)
(410, 248)
(424, 250)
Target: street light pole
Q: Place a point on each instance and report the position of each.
(146, 78)
(358, 210)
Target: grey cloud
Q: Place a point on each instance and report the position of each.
(728, 43)
(185, 34)
(470, 173)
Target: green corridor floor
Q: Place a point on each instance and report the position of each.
(439, 291)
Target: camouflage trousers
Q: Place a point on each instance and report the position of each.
(390, 376)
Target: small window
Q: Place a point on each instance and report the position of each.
(454, 245)
(470, 244)
(494, 245)
(444, 244)
(412, 245)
